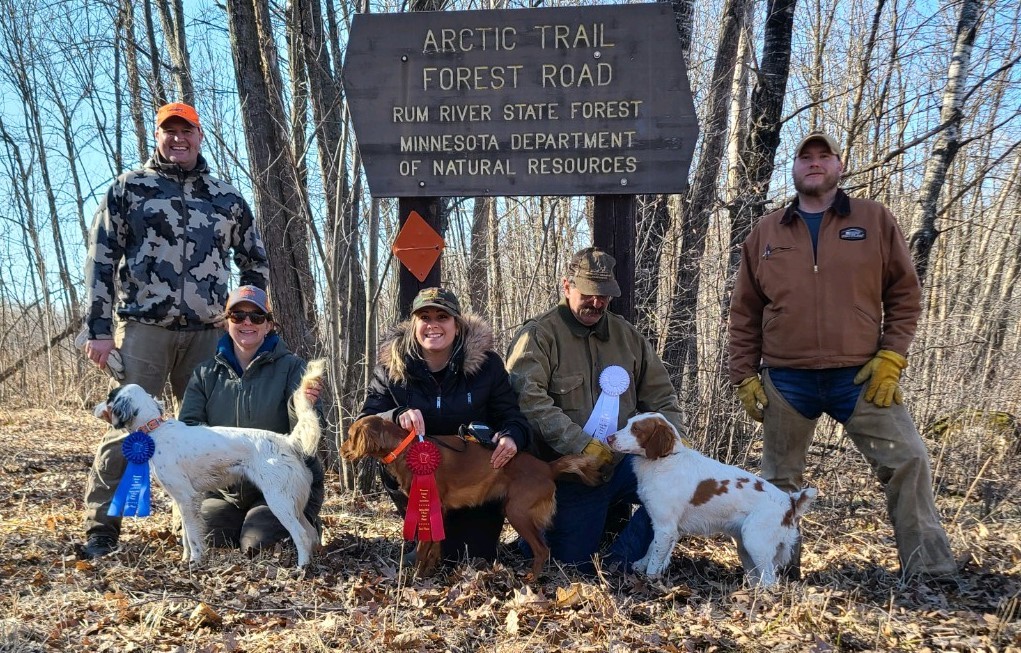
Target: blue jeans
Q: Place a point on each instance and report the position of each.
(814, 392)
(580, 521)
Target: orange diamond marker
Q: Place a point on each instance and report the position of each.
(418, 246)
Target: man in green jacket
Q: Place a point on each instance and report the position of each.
(825, 307)
(580, 372)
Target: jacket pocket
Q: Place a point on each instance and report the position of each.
(565, 385)
(568, 394)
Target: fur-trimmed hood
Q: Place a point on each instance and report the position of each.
(470, 349)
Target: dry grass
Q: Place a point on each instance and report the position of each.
(357, 597)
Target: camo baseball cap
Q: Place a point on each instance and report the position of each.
(177, 110)
(436, 298)
(591, 272)
(252, 295)
(823, 137)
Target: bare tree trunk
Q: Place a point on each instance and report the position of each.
(127, 25)
(680, 353)
(478, 254)
(278, 199)
(948, 141)
(172, 20)
(765, 111)
(854, 126)
(159, 92)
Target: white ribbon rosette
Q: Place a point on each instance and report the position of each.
(613, 382)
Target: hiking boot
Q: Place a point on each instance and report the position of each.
(98, 546)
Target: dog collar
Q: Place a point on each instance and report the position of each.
(392, 456)
(152, 425)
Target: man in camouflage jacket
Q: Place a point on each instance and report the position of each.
(158, 260)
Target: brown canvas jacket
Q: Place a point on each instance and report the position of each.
(857, 295)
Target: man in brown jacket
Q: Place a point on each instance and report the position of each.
(824, 309)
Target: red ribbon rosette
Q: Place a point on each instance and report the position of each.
(425, 514)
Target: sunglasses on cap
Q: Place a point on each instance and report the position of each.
(257, 317)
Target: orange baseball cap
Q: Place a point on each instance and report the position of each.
(177, 110)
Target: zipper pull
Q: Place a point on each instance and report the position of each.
(469, 399)
(437, 402)
(815, 268)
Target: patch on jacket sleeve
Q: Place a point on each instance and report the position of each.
(852, 233)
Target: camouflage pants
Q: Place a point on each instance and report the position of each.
(888, 439)
(152, 356)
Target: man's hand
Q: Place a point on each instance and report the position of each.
(883, 375)
(505, 450)
(598, 450)
(753, 397)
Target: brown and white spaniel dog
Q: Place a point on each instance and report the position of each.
(191, 460)
(687, 493)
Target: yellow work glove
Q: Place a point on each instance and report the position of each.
(883, 375)
(597, 449)
(753, 397)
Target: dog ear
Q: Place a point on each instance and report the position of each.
(354, 444)
(122, 409)
(660, 441)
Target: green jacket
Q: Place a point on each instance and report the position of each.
(259, 398)
(555, 362)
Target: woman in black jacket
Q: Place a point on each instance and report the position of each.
(438, 372)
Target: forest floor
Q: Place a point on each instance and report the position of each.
(357, 596)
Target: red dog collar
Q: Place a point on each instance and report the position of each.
(152, 425)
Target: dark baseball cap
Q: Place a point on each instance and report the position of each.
(591, 271)
(436, 298)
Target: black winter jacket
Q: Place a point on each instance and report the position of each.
(475, 387)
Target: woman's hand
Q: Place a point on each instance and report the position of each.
(412, 419)
(312, 392)
(505, 450)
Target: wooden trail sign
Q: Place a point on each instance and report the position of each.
(559, 101)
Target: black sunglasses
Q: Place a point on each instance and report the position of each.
(237, 317)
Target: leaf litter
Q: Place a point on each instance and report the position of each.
(358, 596)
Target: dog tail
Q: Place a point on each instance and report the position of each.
(306, 433)
(802, 500)
(585, 467)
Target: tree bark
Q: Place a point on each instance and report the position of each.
(948, 141)
(127, 25)
(278, 199)
(759, 152)
(172, 20)
(680, 353)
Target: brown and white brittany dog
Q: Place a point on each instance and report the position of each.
(192, 460)
(466, 478)
(687, 493)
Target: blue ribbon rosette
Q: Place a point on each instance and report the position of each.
(133, 492)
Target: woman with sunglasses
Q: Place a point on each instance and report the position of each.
(249, 383)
